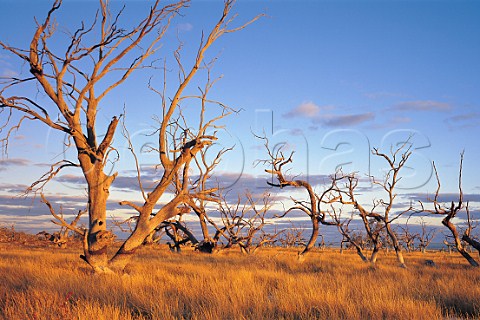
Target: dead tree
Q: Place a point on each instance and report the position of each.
(96, 59)
(425, 237)
(381, 216)
(386, 240)
(448, 243)
(179, 144)
(322, 245)
(371, 222)
(407, 237)
(348, 236)
(107, 49)
(468, 237)
(59, 238)
(243, 223)
(198, 205)
(292, 237)
(312, 207)
(180, 235)
(450, 211)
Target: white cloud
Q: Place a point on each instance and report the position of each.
(185, 27)
(306, 109)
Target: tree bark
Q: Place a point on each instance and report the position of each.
(208, 243)
(123, 256)
(204, 226)
(475, 244)
(396, 245)
(360, 253)
(313, 237)
(143, 228)
(468, 257)
(458, 243)
(98, 237)
(374, 256)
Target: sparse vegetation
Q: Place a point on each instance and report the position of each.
(54, 284)
(73, 70)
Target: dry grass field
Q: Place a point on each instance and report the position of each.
(55, 284)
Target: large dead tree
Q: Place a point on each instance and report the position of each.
(76, 75)
(312, 207)
(452, 210)
(381, 214)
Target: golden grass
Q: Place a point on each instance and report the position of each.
(56, 284)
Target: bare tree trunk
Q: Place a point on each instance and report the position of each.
(243, 250)
(475, 244)
(98, 237)
(360, 253)
(126, 251)
(400, 257)
(208, 243)
(313, 237)
(357, 247)
(204, 226)
(149, 240)
(396, 245)
(191, 238)
(374, 256)
(458, 243)
(143, 228)
(450, 212)
(469, 258)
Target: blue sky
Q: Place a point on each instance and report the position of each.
(332, 79)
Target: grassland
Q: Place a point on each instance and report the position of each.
(40, 283)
